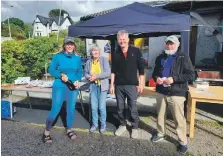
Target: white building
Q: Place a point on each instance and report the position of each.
(43, 26)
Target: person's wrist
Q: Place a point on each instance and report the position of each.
(141, 84)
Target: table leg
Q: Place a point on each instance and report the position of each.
(10, 100)
(30, 104)
(192, 118)
(81, 101)
(89, 110)
(189, 108)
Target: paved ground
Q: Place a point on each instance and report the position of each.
(21, 139)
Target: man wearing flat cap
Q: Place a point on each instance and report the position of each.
(173, 69)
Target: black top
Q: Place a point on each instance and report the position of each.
(182, 71)
(125, 69)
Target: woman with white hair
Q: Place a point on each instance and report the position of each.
(97, 71)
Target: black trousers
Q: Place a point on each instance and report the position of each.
(128, 92)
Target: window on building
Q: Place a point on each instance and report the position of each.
(40, 34)
(37, 28)
(94, 41)
(37, 34)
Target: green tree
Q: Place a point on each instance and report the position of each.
(63, 33)
(80, 46)
(28, 29)
(56, 12)
(15, 21)
(15, 30)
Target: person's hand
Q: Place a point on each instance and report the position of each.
(64, 77)
(92, 78)
(140, 89)
(159, 81)
(112, 89)
(76, 84)
(168, 81)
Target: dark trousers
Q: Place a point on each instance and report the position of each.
(130, 92)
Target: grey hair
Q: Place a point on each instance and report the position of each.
(123, 32)
(93, 46)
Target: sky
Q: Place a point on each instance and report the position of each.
(27, 10)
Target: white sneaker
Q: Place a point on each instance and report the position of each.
(120, 130)
(135, 133)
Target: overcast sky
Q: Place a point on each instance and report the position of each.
(27, 10)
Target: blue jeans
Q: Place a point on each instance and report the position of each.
(98, 100)
(59, 95)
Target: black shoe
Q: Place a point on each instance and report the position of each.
(182, 149)
(47, 138)
(157, 138)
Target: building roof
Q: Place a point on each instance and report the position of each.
(87, 17)
(194, 5)
(50, 20)
(44, 20)
(176, 6)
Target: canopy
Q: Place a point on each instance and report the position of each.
(136, 18)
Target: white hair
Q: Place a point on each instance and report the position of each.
(94, 46)
(123, 32)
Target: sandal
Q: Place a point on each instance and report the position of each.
(71, 135)
(47, 138)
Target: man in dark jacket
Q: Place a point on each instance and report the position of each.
(172, 71)
(126, 63)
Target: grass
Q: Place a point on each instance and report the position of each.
(76, 129)
(210, 123)
(146, 120)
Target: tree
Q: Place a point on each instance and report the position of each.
(28, 29)
(56, 12)
(80, 46)
(63, 33)
(15, 30)
(15, 21)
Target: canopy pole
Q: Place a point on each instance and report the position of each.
(112, 41)
(185, 42)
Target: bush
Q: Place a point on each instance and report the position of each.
(20, 37)
(27, 57)
(11, 66)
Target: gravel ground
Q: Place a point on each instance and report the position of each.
(207, 141)
(22, 139)
(25, 139)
